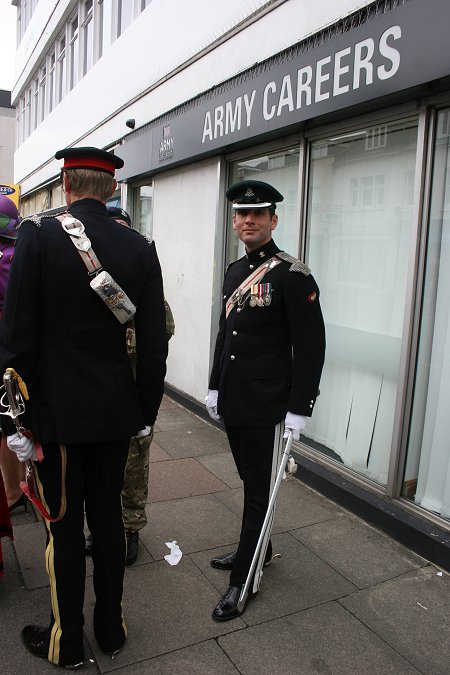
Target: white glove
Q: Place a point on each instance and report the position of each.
(146, 431)
(294, 423)
(22, 446)
(211, 405)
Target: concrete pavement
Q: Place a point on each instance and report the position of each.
(344, 597)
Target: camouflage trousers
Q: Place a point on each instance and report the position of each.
(135, 486)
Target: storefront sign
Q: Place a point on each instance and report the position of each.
(402, 48)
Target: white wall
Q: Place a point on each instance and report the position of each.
(165, 35)
(184, 230)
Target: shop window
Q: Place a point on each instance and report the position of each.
(359, 223)
(427, 474)
(281, 171)
(143, 210)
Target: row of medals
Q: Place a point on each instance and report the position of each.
(260, 295)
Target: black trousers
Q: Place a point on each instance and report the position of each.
(253, 452)
(93, 482)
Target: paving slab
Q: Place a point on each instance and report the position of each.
(18, 608)
(206, 658)
(157, 454)
(30, 545)
(323, 640)
(168, 403)
(165, 608)
(412, 614)
(222, 465)
(297, 506)
(178, 418)
(192, 441)
(361, 553)
(179, 478)
(298, 580)
(196, 523)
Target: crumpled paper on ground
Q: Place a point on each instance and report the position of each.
(174, 557)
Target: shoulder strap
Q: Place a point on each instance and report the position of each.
(252, 278)
(297, 265)
(75, 230)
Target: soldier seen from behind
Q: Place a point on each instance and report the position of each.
(75, 280)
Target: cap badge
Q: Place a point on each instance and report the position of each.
(249, 193)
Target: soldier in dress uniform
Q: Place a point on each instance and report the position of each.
(70, 349)
(267, 365)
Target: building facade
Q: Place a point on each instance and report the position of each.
(345, 108)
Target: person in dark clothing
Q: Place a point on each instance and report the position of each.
(267, 365)
(68, 345)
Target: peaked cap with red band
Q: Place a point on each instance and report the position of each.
(90, 158)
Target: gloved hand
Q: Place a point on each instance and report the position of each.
(294, 423)
(22, 446)
(146, 431)
(211, 405)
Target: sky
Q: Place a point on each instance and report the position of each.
(8, 15)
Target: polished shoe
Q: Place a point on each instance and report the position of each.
(227, 607)
(132, 546)
(22, 501)
(88, 544)
(37, 640)
(110, 641)
(110, 651)
(224, 562)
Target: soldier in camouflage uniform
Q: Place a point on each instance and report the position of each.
(135, 487)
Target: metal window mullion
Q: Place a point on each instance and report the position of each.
(411, 321)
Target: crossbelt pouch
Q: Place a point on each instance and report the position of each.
(113, 296)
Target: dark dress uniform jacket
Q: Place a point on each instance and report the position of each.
(68, 346)
(268, 360)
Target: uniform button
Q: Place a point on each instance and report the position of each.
(232, 357)
(235, 332)
(238, 309)
(251, 267)
(224, 297)
(311, 405)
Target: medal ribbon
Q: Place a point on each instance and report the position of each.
(255, 276)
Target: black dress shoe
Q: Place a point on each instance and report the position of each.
(227, 607)
(88, 544)
(132, 546)
(224, 562)
(37, 640)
